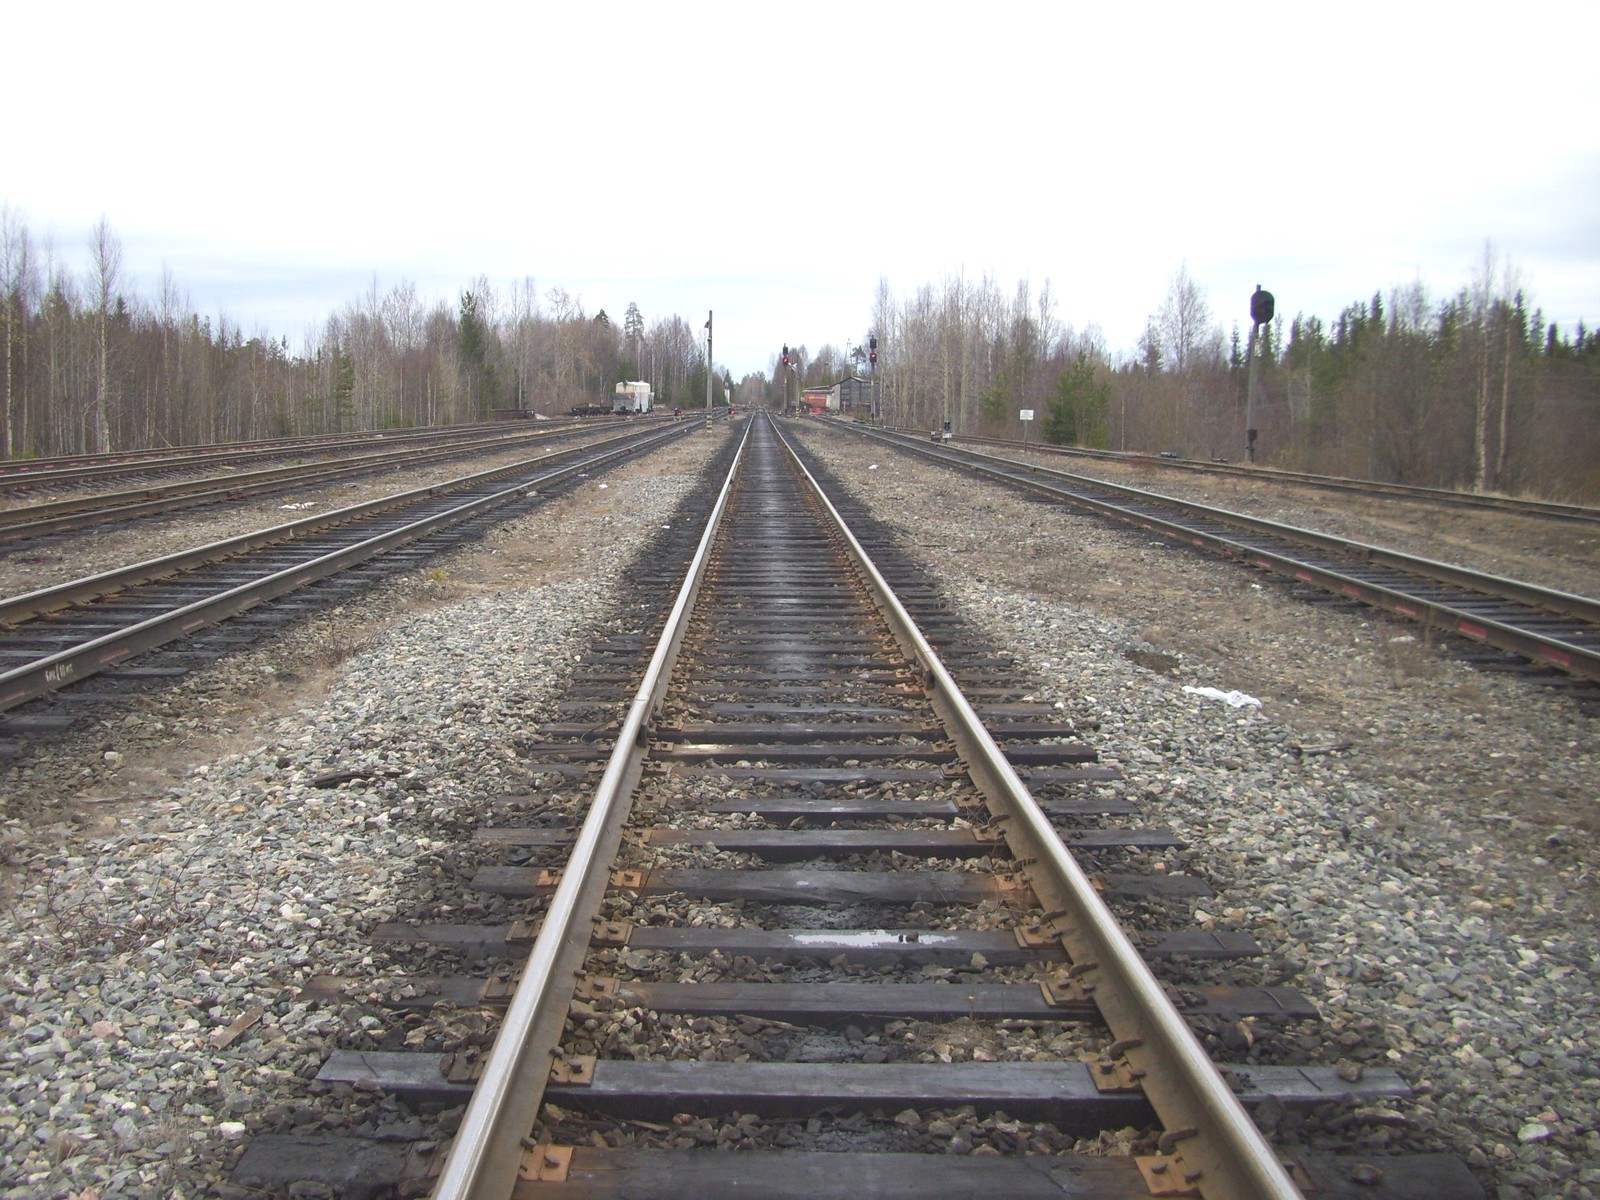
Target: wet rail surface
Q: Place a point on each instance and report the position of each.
(1537, 627)
(794, 923)
(58, 636)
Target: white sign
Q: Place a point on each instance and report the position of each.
(1026, 414)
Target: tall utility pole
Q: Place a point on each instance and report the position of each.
(708, 368)
(1261, 305)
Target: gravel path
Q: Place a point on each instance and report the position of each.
(1406, 836)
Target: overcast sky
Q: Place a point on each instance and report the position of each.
(773, 162)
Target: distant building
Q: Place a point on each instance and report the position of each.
(853, 396)
(849, 395)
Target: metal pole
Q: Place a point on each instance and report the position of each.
(708, 368)
(1250, 399)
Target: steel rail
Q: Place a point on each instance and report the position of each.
(27, 605)
(54, 671)
(34, 474)
(1558, 651)
(1224, 1154)
(1338, 483)
(484, 1156)
(1550, 599)
(57, 516)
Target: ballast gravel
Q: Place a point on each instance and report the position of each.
(155, 940)
(1406, 836)
(54, 560)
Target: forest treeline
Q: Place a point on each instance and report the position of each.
(1471, 391)
(91, 366)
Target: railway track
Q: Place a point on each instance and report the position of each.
(41, 474)
(30, 522)
(821, 902)
(1546, 628)
(1585, 514)
(58, 636)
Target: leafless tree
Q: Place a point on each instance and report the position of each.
(18, 294)
(1185, 322)
(106, 254)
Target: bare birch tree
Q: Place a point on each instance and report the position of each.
(1185, 321)
(18, 285)
(106, 253)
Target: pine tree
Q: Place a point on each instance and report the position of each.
(1080, 406)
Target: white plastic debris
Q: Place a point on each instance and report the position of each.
(1234, 699)
(873, 467)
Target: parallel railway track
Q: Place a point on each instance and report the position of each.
(1585, 514)
(793, 710)
(1551, 628)
(57, 636)
(29, 522)
(39, 474)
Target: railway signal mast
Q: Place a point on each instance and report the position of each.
(872, 370)
(1261, 305)
(788, 372)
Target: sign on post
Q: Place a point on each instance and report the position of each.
(1027, 415)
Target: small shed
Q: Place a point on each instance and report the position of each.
(851, 395)
(848, 395)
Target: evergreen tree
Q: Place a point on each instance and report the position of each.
(994, 404)
(633, 332)
(474, 333)
(344, 389)
(472, 330)
(1080, 406)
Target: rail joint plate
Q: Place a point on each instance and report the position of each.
(465, 1067)
(1168, 1175)
(612, 933)
(573, 1070)
(1034, 937)
(546, 1164)
(595, 987)
(1116, 1076)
